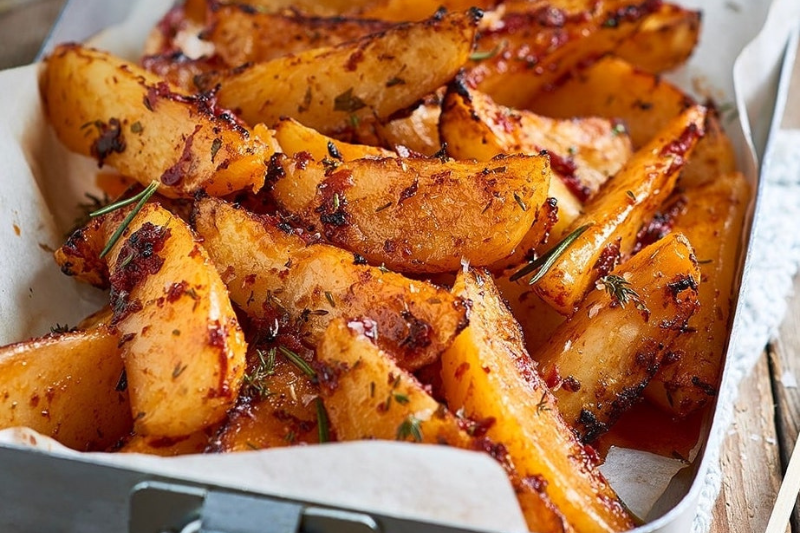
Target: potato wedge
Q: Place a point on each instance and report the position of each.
(665, 39)
(615, 215)
(414, 10)
(183, 349)
(241, 34)
(66, 386)
(418, 132)
(416, 215)
(612, 88)
(600, 360)
(488, 373)
(119, 113)
(80, 255)
(533, 46)
(271, 272)
(330, 88)
(712, 222)
(584, 152)
(369, 397)
(295, 138)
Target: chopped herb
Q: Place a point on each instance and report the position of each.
(336, 202)
(619, 288)
(330, 164)
(395, 81)
(302, 108)
(216, 144)
(250, 445)
(371, 389)
(488, 205)
(125, 262)
(122, 382)
(705, 261)
(333, 151)
(176, 332)
(488, 54)
(410, 427)
(631, 195)
(542, 406)
(136, 127)
(441, 155)
(542, 264)
(178, 370)
(329, 297)
(618, 129)
(58, 329)
(322, 421)
(385, 206)
(572, 150)
(401, 398)
(298, 361)
(520, 202)
(348, 102)
(354, 121)
(265, 367)
(290, 437)
(142, 197)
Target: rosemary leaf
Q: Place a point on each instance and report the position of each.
(127, 201)
(299, 362)
(542, 264)
(322, 421)
(143, 197)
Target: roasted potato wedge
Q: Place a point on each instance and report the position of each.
(329, 89)
(295, 138)
(368, 396)
(269, 271)
(488, 374)
(80, 255)
(66, 386)
(664, 41)
(615, 215)
(119, 113)
(183, 349)
(613, 88)
(241, 34)
(712, 222)
(600, 360)
(584, 152)
(416, 215)
(533, 46)
(418, 132)
(413, 10)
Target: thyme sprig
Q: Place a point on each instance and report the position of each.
(140, 198)
(539, 266)
(619, 288)
(264, 368)
(410, 427)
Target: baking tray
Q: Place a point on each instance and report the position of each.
(42, 491)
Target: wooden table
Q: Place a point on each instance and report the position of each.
(767, 416)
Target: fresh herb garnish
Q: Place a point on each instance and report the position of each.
(542, 264)
(487, 54)
(298, 361)
(322, 421)
(58, 329)
(141, 198)
(216, 144)
(619, 288)
(329, 297)
(520, 202)
(348, 102)
(265, 367)
(410, 427)
(401, 398)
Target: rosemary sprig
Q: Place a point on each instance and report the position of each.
(488, 54)
(142, 198)
(410, 427)
(542, 264)
(264, 368)
(619, 288)
(322, 421)
(298, 361)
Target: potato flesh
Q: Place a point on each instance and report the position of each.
(183, 349)
(98, 106)
(600, 360)
(65, 387)
(488, 373)
(613, 88)
(712, 223)
(416, 215)
(616, 214)
(269, 271)
(295, 138)
(330, 88)
(370, 397)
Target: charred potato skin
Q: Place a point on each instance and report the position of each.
(122, 115)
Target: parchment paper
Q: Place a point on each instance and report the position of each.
(44, 183)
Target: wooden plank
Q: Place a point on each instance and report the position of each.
(751, 464)
(785, 368)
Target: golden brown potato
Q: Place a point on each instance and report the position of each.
(416, 215)
(533, 46)
(66, 386)
(665, 39)
(329, 89)
(183, 348)
(584, 152)
(119, 113)
(418, 132)
(488, 374)
(241, 34)
(413, 10)
(712, 222)
(271, 272)
(276, 408)
(80, 255)
(295, 138)
(167, 446)
(600, 360)
(369, 397)
(613, 88)
(615, 215)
